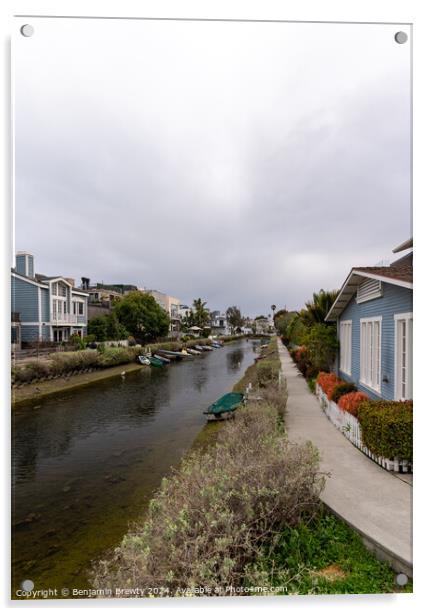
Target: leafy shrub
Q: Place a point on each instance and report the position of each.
(328, 381)
(322, 345)
(216, 513)
(267, 371)
(77, 341)
(115, 357)
(351, 401)
(387, 428)
(341, 389)
(276, 396)
(75, 360)
(29, 372)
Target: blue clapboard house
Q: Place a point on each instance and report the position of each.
(374, 316)
(45, 308)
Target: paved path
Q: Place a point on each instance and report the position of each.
(375, 502)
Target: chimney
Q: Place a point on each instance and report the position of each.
(25, 264)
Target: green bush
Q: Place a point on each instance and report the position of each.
(115, 356)
(211, 518)
(74, 360)
(267, 371)
(341, 389)
(29, 372)
(387, 428)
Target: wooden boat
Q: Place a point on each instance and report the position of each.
(165, 360)
(144, 360)
(225, 406)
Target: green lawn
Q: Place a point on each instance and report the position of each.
(325, 556)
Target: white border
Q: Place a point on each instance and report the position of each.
(416, 11)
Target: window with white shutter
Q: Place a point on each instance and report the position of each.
(346, 346)
(403, 389)
(370, 352)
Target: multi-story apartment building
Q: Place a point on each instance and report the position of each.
(45, 308)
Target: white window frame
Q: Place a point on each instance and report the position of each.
(345, 335)
(404, 316)
(369, 376)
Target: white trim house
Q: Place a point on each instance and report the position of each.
(49, 308)
(374, 316)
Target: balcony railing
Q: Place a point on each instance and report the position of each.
(64, 319)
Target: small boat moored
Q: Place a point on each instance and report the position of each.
(144, 360)
(225, 406)
(157, 363)
(193, 351)
(165, 360)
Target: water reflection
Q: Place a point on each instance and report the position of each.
(85, 463)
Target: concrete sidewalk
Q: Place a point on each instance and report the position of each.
(375, 502)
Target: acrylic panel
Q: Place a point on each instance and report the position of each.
(194, 199)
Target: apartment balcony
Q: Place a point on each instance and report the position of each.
(64, 319)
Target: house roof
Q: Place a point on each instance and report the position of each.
(399, 273)
(404, 246)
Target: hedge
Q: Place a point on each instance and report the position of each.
(340, 389)
(387, 428)
(351, 401)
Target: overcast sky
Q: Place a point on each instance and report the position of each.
(244, 163)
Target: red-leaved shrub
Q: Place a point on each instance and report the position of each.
(328, 381)
(350, 402)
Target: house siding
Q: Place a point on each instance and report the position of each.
(394, 300)
(45, 305)
(25, 299)
(29, 333)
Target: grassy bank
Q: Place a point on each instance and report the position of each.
(36, 392)
(242, 512)
(70, 370)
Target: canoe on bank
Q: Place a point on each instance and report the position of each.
(170, 355)
(225, 406)
(157, 363)
(144, 360)
(165, 360)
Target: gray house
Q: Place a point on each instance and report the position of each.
(374, 315)
(45, 308)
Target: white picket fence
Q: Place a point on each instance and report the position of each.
(351, 428)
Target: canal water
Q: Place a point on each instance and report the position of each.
(86, 462)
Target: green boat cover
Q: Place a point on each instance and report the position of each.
(228, 402)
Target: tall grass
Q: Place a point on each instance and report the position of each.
(213, 516)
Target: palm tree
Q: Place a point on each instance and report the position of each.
(316, 309)
(201, 315)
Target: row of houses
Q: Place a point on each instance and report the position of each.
(53, 308)
(374, 316)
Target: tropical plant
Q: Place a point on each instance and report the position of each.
(201, 316)
(315, 310)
